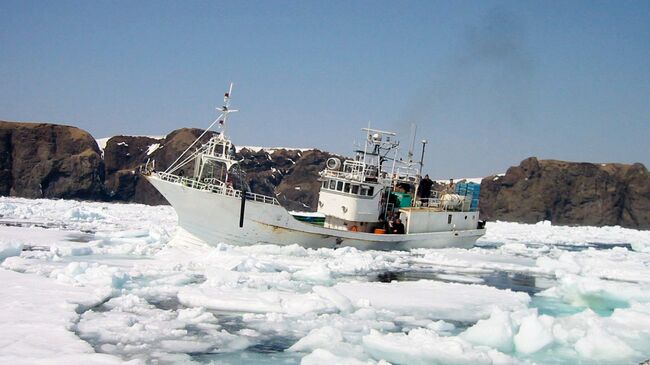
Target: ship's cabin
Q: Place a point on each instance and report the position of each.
(349, 204)
(352, 189)
(215, 164)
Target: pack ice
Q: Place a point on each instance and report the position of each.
(99, 283)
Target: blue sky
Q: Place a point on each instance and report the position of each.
(488, 83)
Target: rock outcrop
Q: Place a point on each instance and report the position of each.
(40, 160)
(569, 193)
(289, 175)
(124, 155)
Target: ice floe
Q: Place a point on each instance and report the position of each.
(103, 283)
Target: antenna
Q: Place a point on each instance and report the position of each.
(414, 131)
(225, 110)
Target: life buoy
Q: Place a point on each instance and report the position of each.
(354, 229)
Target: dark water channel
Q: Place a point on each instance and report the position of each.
(499, 279)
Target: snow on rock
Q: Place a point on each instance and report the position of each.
(433, 299)
(271, 150)
(475, 180)
(101, 143)
(152, 148)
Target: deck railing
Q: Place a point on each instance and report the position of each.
(215, 186)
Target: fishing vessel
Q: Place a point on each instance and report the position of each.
(375, 200)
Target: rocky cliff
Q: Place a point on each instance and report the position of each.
(289, 175)
(569, 193)
(49, 161)
(123, 155)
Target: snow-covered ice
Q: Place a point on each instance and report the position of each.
(99, 283)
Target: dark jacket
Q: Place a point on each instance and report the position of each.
(398, 228)
(424, 190)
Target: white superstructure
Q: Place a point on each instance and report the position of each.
(359, 202)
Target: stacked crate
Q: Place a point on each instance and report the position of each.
(469, 189)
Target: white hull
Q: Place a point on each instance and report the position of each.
(211, 218)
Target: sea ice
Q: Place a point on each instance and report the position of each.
(36, 315)
(423, 346)
(324, 357)
(8, 249)
(496, 331)
(434, 299)
(105, 283)
(535, 333)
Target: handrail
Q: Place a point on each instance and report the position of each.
(218, 188)
(355, 176)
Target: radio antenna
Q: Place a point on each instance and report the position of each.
(414, 131)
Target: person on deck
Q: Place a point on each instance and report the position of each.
(424, 190)
(388, 225)
(398, 227)
(451, 188)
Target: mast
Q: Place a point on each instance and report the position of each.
(198, 154)
(414, 131)
(424, 144)
(225, 110)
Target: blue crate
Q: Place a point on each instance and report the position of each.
(465, 189)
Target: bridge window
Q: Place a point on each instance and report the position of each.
(332, 184)
(449, 219)
(346, 188)
(355, 189)
(371, 190)
(339, 185)
(324, 185)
